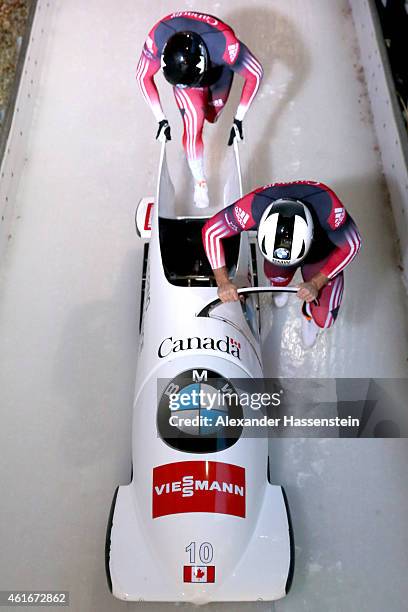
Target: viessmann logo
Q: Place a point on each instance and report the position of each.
(198, 486)
(223, 345)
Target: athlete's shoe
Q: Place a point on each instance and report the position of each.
(201, 194)
(309, 332)
(280, 299)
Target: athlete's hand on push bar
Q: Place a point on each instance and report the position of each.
(163, 132)
(308, 292)
(227, 292)
(236, 132)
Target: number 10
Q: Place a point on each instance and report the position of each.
(205, 552)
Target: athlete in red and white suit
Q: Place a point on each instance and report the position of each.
(228, 55)
(336, 242)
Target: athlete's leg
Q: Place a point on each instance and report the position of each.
(218, 95)
(192, 103)
(325, 312)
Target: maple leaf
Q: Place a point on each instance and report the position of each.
(199, 573)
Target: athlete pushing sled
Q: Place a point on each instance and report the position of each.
(303, 225)
(199, 55)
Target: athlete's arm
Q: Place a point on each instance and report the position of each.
(348, 242)
(228, 222)
(251, 70)
(341, 231)
(227, 291)
(148, 66)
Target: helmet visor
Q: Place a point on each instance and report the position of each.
(283, 238)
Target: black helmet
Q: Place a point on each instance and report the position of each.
(185, 59)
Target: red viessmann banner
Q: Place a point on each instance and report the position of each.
(198, 486)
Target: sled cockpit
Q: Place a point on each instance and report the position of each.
(183, 256)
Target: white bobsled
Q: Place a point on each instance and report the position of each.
(200, 521)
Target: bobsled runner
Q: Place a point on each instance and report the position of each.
(200, 521)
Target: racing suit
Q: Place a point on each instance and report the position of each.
(336, 240)
(228, 55)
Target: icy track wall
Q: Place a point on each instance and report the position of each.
(15, 147)
(390, 129)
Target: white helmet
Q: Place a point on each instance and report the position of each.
(285, 232)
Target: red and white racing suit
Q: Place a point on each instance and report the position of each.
(228, 55)
(336, 240)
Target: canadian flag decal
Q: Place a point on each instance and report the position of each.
(199, 573)
(198, 486)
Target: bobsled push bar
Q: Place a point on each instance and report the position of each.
(238, 164)
(245, 291)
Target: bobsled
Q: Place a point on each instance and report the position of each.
(201, 520)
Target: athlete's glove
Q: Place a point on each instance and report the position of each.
(236, 132)
(163, 133)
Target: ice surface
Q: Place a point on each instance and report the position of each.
(69, 300)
